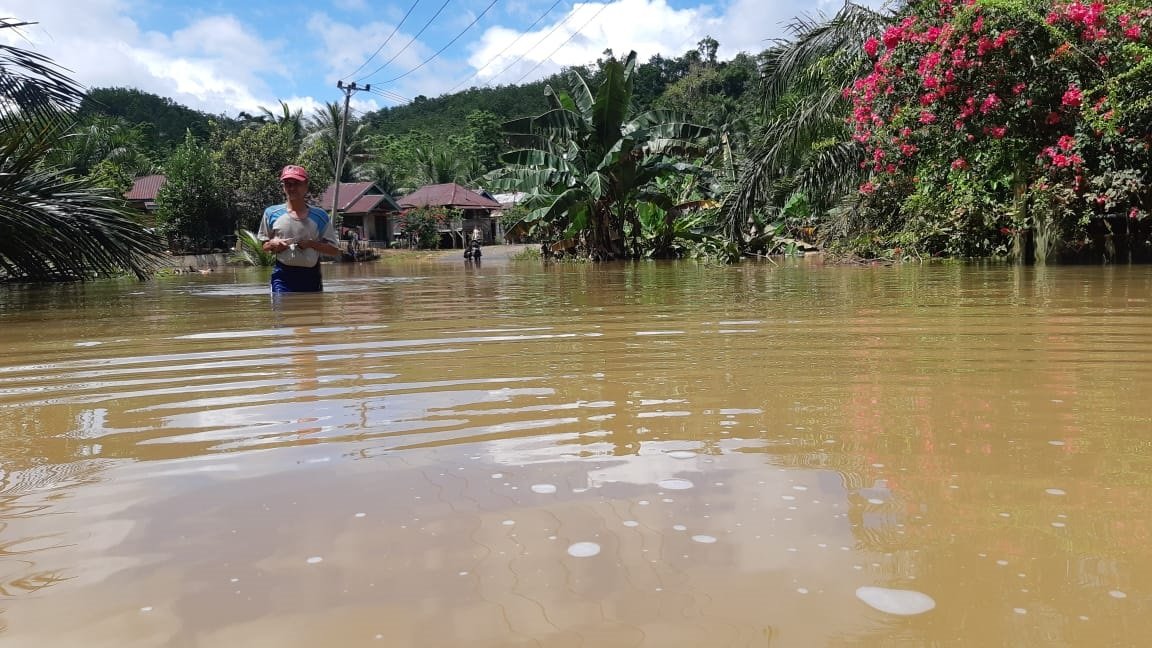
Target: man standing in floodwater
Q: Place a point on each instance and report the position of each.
(297, 234)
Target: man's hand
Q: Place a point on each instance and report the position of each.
(276, 245)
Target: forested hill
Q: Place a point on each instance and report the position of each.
(695, 82)
(165, 120)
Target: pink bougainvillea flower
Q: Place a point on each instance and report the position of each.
(871, 46)
(1072, 96)
(893, 36)
(959, 163)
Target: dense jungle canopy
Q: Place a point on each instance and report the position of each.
(935, 128)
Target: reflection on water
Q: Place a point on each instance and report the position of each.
(653, 454)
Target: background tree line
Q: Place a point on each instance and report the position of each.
(953, 128)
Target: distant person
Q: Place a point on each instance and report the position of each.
(476, 234)
(297, 234)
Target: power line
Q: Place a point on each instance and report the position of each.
(538, 44)
(409, 44)
(391, 96)
(573, 35)
(447, 45)
(501, 52)
(394, 30)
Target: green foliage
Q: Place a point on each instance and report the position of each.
(250, 250)
(190, 208)
(111, 176)
(423, 224)
(248, 165)
(101, 139)
(586, 164)
(528, 254)
(164, 121)
(983, 121)
(54, 226)
(804, 144)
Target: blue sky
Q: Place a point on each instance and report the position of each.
(225, 56)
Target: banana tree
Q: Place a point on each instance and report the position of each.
(586, 165)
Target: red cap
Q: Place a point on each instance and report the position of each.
(294, 172)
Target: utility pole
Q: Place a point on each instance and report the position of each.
(348, 90)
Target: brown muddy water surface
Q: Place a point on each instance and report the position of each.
(434, 454)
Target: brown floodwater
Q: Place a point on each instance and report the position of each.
(659, 454)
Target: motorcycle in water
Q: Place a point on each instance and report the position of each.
(473, 250)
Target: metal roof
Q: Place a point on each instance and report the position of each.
(358, 198)
(447, 195)
(145, 188)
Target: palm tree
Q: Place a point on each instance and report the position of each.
(291, 119)
(322, 130)
(104, 138)
(806, 146)
(438, 165)
(53, 227)
(587, 166)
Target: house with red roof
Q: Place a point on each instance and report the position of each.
(478, 210)
(143, 193)
(363, 205)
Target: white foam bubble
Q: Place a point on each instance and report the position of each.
(896, 601)
(1117, 594)
(675, 484)
(1055, 491)
(583, 549)
(631, 523)
(508, 522)
(681, 454)
(704, 539)
(543, 489)
(679, 527)
(314, 560)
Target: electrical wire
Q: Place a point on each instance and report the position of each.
(386, 40)
(447, 45)
(409, 44)
(509, 46)
(533, 48)
(390, 96)
(570, 37)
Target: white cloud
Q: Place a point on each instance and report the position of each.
(647, 26)
(348, 48)
(214, 64)
(218, 63)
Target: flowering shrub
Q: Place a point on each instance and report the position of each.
(424, 224)
(982, 119)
